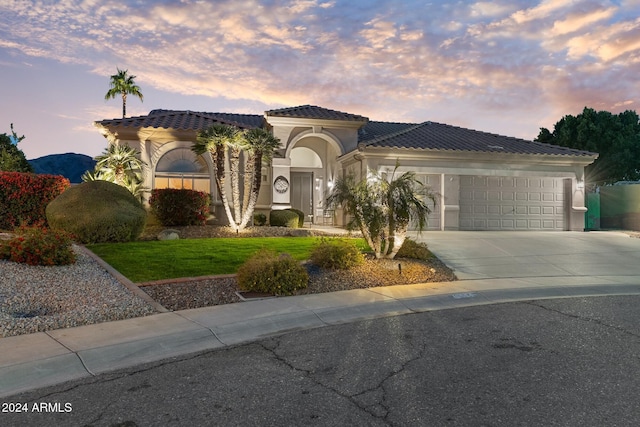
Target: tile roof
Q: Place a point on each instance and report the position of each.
(314, 112)
(441, 137)
(185, 120)
(417, 136)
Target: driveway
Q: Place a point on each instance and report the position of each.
(506, 254)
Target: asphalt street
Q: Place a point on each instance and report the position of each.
(565, 362)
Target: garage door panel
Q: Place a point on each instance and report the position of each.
(511, 203)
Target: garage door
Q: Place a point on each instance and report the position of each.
(431, 182)
(511, 203)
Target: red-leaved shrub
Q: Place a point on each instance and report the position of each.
(25, 196)
(39, 246)
(180, 206)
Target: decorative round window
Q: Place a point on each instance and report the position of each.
(281, 184)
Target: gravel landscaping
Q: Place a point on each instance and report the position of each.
(38, 298)
(34, 298)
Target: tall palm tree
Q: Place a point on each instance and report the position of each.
(260, 145)
(382, 209)
(215, 140)
(123, 84)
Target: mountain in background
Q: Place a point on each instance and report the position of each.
(69, 165)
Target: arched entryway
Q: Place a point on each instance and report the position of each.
(306, 168)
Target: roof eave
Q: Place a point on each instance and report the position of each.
(473, 156)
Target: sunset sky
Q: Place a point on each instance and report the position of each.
(507, 67)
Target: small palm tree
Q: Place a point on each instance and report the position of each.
(123, 84)
(260, 145)
(382, 209)
(215, 140)
(121, 165)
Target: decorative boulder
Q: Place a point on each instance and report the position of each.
(97, 212)
(168, 235)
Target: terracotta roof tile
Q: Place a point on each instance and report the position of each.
(438, 137)
(314, 112)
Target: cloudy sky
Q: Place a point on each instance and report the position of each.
(507, 67)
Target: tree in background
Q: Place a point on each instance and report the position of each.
(225, 141)
(121, 165)
(616, 138)
(12, 159)
(123, 84)
(382, 209)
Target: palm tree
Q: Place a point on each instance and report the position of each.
(405, 203)
(121, 165)
(382, 209)
(122, 84)
(260, 145)
(215, 140)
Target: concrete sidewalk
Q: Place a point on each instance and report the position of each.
(47, 358)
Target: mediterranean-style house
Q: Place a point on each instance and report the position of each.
(483, 181)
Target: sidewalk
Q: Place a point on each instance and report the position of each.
(48, 358)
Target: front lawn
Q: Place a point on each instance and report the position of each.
(145, 261)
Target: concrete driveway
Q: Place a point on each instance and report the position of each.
(506, 254)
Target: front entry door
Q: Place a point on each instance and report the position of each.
(301, 192)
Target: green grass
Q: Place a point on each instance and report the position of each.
(168, 259)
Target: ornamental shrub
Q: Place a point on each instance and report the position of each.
(300, 216)
(41, 246)
(284, 218)
(98, 212)
(25, 196)
(268, 272)
(259, 219)
(180, 206)
(336, 254)
(415, 250)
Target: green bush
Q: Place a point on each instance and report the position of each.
(180, 206)
(336, 254)
(39, 246)
(300, 216)
(284, 218)
(97, 212)
(266, 271)
(412, 249)
(24, 197)
(259, 219)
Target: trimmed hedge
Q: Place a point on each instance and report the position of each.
(259, 219)
(300, 216)
(98, 212)
(25, 196)
(284, 218)
(180, 206)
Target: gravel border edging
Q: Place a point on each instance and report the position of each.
(124, 281)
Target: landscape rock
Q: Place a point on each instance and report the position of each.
(168, 234)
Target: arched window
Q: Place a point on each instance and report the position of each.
(182, 168)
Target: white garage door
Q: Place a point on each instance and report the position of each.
(511, 203)
(431, 182)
